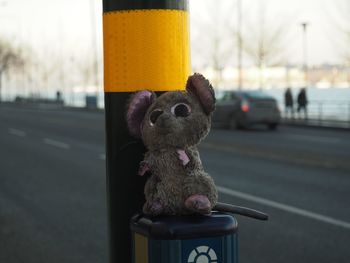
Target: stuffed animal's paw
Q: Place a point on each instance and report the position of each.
(153, 208)
(144, 168)
(198, 204)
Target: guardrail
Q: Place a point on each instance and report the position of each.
(324, 113)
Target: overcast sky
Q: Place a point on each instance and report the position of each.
(65, 25)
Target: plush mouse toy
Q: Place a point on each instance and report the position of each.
(171, 126)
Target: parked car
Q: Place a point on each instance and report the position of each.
(242, 109)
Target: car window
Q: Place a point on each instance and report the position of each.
(228, 96)
(256, 94)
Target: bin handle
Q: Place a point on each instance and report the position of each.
(240, 210)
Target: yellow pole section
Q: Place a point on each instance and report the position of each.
(146, 49)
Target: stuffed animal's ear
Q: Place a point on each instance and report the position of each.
(202, 89)
(136, 110)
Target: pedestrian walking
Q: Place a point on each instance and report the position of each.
(288, 103)
(302, 103)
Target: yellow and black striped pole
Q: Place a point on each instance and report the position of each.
(146, 46)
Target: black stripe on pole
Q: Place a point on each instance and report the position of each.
(109, 6)
(124, 187)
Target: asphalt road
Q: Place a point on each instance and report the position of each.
(52, 188)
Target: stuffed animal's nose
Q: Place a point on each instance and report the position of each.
(154, 116)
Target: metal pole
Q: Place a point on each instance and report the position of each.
(349, 113)
(261, 51)
(146, 46)
(320, 112)
(305, 64)
(94, 46)
(0, 84)
(239, 40)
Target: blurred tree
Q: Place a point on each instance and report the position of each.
(88, 66)
(339, 15)
(48, 69)
(86, 71)
(218, 34)
(10, 58)
(264, 42)
(344, 9)
(211, 37)
(344, 26)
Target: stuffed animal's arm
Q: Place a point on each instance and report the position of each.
(150, 187)
(144, 168)
(145, 165)
(191, 159)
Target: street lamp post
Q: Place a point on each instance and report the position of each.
(239, 42)
(304, 26)
(94, 47)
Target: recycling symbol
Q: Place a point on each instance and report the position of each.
(202, 254)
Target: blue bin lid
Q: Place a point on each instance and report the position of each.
(184, 227)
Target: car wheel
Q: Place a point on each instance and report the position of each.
(272, 126)
(234, 124)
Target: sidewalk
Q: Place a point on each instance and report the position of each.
(317, 123)
(312, 122)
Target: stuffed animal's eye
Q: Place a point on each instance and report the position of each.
(181, 110)
(154, 116)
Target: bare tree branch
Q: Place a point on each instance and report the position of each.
(211, 39)
(339, 15)
(264, 41)
(10, 58)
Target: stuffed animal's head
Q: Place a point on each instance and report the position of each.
(174, 119)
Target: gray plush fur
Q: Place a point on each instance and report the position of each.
(172, 182)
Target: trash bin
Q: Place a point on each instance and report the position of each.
(185, 239)
(91, 102)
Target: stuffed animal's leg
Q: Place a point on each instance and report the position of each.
(198, 204)
(153, 206)
(200, 193)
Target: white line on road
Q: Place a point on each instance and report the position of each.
(288, 208)
(17, 132)
(57, 144)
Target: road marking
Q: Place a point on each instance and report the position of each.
(278, 155)
(57, 144)
(17, 132)
(284, 207)
(102, 156)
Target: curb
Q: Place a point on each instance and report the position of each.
(329, 126)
